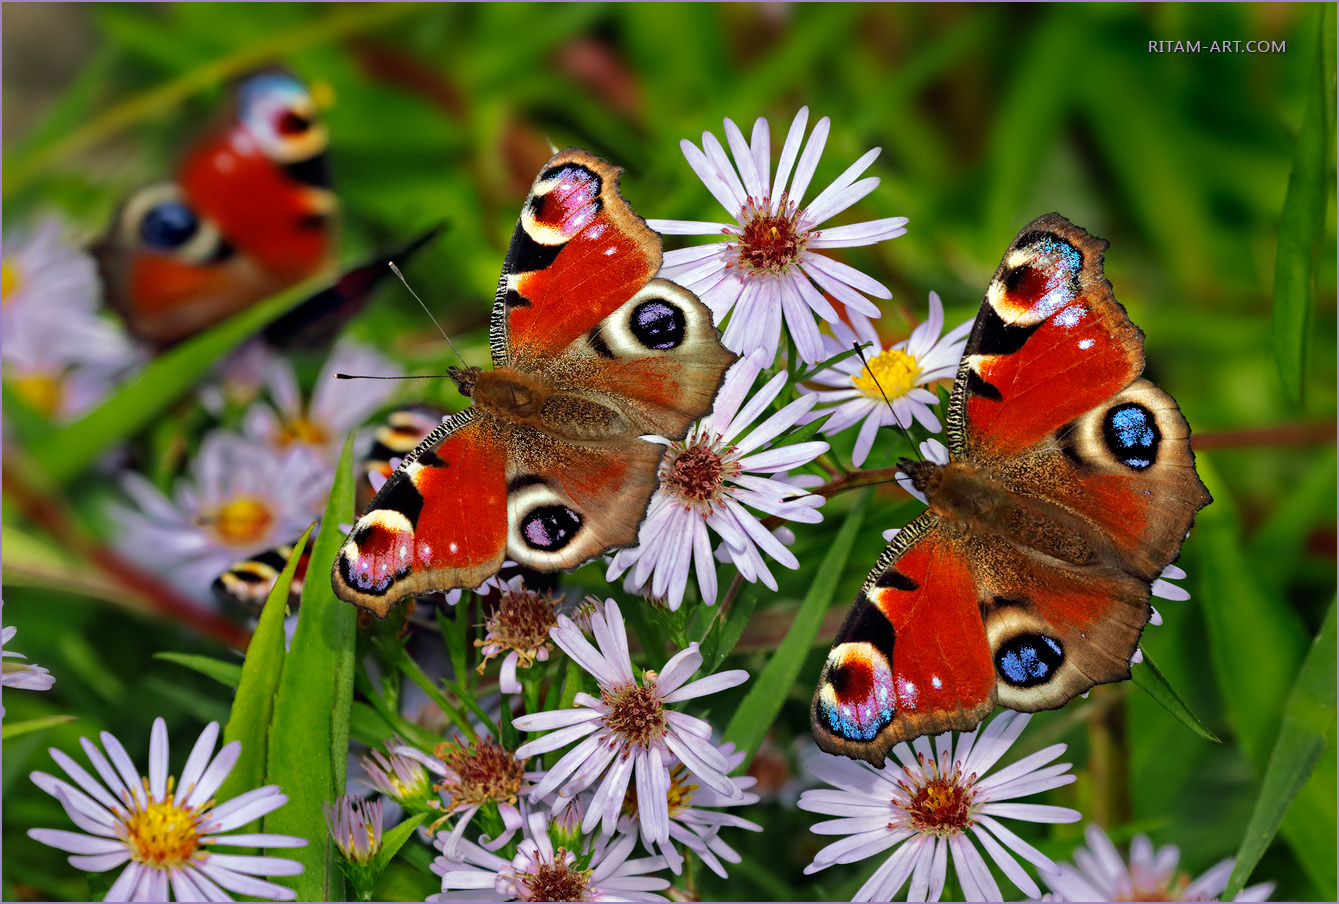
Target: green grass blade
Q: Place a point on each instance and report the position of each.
(1308, 729)
(228, 674)
(1302, 222)
(1149, 677)
(309, 736)
(143, 398)
(760, 706)
(12, 730)
(1255, 644)
(722, 641)
(258, 680)
(393, 840)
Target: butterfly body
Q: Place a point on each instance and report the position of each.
(590, 353)
(1070, 486)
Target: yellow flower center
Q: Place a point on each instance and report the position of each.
(893, 371)
(42, 392)
(9, 280)
(680, 793)
(162, 835)
(242, 521)
(302, 430)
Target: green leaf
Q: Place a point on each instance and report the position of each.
(1302, 222)
(802, 435)
(1308, 729)
(766, 694)
(392, 841)
(1245, 625)
(257, 682)
(1148, 676)
(11, 730)
(722, 641)
(309, 736)
(143, 398)
(1279, 544)
(228, 674)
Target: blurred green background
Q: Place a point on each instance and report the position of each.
(988, 116)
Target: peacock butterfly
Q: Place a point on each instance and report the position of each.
(1070, 486)
(590, 352)
(249, 213)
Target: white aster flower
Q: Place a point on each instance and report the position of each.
(705, 483)
(542, 872)
(628, 730)
(769, 266)
(694, 818)
(932, 803)
(888, 389)
(241, 499)
(474, 775)
(166, 829)
(21, 675)
(1099, 874)
(60, 355)
(336, 406)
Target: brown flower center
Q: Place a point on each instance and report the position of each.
(942, 806)
(769, 243)
(556, 881)
(521, 622)
(696, 473)
(635, 712)
(478, 773)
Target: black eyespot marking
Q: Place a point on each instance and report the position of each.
(866, 623)
(1132, 435)
(1029, 659)
(314, 171)
(995, 337)
(658, 325)
(597, 343)
(549, 528)
(168, 225)
(401, 496)
(896, 580)
(977, 385)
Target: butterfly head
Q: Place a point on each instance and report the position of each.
(466, 378)
(925, 475)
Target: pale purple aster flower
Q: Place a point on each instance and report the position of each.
(241, 498)
(541, 871)
(166, 829)
(397, 776)
(705, 482)
(474, 775)
(695, 818)
(60, 355)
(769, 267)
(933, 803)
(628, 732)
(21, 675)
(335, 408)
(355, 826)
(519, 625)
(885, 388)
(1099, 874)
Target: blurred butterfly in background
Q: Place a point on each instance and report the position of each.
(1070, 486)
(250, 212)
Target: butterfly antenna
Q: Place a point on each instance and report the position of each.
(859, 350)
(396, 271)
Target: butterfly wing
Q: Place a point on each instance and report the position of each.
(440, 521)
(911, 657)
(249, 214)
(578, 253)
